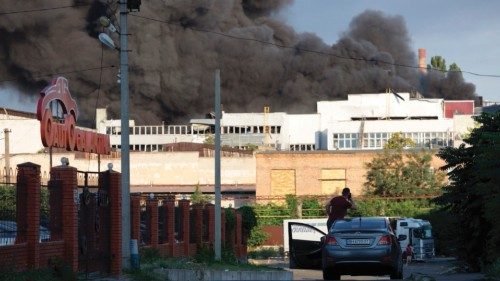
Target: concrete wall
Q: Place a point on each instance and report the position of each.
(156, 168)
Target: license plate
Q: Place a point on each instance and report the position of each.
(358, 241)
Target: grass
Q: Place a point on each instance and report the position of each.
(204, 260)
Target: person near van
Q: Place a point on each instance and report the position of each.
(409, 253)
(338, 205)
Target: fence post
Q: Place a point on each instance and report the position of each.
(115, 231)
(211, 223)
(28, 210)
(152, 210)
(238, 233)
(169, 223)
(68, 177)
(184, 205)
(135, 217)
(198, 227)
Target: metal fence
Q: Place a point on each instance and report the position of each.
(8, 224)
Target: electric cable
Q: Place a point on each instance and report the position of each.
(307, 50)
(42, 9)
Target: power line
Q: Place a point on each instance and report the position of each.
(305, 50)
(61, 73)
(42, 9)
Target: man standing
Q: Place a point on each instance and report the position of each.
(337, 207)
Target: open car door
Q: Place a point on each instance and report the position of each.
(305, 242)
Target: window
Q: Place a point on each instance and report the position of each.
(332, 181)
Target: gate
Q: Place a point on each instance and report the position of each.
(93, 223)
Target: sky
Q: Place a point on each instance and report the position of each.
(466, 32)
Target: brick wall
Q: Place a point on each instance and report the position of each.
(309, 165)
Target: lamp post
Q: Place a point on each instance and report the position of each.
(125, 6)
(125, 142)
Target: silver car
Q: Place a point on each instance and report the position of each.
(361, 246)
(353, 246)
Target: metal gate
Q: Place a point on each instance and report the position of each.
(93, 223)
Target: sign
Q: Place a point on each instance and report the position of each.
(65, 134)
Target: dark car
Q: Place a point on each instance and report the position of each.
(353, 246)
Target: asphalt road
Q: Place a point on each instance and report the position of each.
(439, 269)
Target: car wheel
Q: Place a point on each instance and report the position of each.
(329, 274)
(397, 272)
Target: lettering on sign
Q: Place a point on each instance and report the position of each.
(65, 134)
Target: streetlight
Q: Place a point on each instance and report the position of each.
(132, 5)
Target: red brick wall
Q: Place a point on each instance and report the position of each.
(14, 257)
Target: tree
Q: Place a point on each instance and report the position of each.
(395, 173)
(198, 197)
(455, 68)
(473, 192)
(438, 62)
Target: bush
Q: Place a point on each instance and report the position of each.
(249, 220)
(494, 270)
(257, 237)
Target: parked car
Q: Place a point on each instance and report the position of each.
(8, 233)
(353, 246)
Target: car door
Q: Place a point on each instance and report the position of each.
(305, 242)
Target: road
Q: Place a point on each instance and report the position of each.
(439, 269)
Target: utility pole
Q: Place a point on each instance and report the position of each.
(217, 224)
(7, 155)
(125, 142)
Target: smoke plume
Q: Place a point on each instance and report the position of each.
(172, 65)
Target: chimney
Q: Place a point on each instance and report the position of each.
(421, 61)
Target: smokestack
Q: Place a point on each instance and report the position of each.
(421, 61)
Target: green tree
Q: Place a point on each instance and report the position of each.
(455, 68)
(438, 62)
(198, 197)
(395, 173)
(473, 192)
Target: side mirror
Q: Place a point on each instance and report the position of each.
(401, 237)
(322, 239)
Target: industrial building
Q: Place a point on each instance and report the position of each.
(363, 121)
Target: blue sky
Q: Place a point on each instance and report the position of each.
(466, 32)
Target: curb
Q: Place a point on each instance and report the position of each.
(212, 275)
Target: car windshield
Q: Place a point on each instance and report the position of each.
(359, 223)
(423, 233)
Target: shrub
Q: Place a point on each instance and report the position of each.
(257, 237)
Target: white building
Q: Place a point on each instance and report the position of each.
(363, 121)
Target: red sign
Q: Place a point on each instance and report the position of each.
(65, 134)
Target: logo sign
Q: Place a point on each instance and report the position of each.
(65, 134)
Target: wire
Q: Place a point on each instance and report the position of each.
(305, 50)
(42, 10)
(60, 73)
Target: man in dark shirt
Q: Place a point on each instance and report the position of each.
(337, 207)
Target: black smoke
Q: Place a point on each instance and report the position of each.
(172, 66)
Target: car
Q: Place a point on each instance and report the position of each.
(353, 246)
(8, 233)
